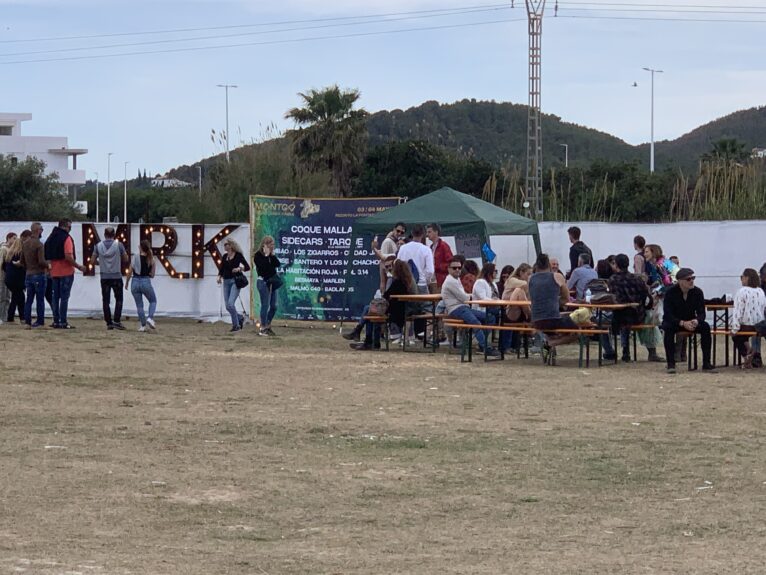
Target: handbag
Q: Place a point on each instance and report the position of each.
(240, 280)
(378, 306)
(275, 282)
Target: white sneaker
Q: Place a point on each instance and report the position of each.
(142, 329)
(264, 332)
(150, 323)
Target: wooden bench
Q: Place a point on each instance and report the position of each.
(584, 341)
(727, 333)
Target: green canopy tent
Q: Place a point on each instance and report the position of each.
(470, 220)
(458, 214)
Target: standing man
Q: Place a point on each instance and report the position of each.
(441, 251)
(110, 256)
(578, 247)
(390, 245)
(685, 311)
(421, 262)
(59, 251)
(34, 262)
(580, 277)
(639, 262)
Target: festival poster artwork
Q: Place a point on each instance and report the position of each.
(313, 243)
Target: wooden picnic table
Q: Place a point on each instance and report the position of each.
(427, 298)
(721, 322)
(600, 308)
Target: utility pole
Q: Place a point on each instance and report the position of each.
(566, 154)
(651, 152)
(226, 87)
(96, 197)
(199, 180)
(109, 186)
(534, 171)
(125, 195)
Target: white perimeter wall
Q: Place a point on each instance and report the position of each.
(716, 251)
(199, 298)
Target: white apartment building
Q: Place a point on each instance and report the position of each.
(54, 151)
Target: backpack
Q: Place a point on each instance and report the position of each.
(599, 292)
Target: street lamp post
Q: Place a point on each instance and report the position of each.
(226, 87)
(125, 196)
(651, 152)
(96, 197)
(109, 186)
(566, 154)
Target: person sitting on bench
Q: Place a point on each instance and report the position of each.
(454, 298)
(548, 292)
(684, 310)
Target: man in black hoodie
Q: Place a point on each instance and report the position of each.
(577, 248)
(60, 252)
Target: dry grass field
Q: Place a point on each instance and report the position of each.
(192, 451)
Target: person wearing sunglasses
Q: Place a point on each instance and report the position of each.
(390, 245)
(454, 298)
(684, 311)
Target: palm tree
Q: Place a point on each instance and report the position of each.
(727, 150)
(331, 134)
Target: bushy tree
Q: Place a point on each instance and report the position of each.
(27, 193)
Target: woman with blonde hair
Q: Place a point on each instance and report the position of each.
(14, 276)
(269, 281)
(233, 264)
(142, 268)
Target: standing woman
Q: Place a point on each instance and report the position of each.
(232, 263)
(266, 266)
(142, 268)
(749, 307)
(15, 276)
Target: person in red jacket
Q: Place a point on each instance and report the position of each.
(442, 253)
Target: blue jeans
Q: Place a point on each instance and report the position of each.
(472, 316)
(230, 295)
(35, 285)
(268, 302)
(140, 287)
(60, 291)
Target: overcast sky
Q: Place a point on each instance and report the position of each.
(157, 110)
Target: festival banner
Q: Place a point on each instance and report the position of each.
(313, 244)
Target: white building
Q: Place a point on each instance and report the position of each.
(165, 182)
(54, 151)
(758, 153)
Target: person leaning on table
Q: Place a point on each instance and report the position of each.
(684, 310)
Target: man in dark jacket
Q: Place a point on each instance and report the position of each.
(685, 311)
(629, 288)
(578, 247)
(34, 262)
(60, 252)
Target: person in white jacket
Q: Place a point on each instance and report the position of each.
(749, 310)
(484, 288)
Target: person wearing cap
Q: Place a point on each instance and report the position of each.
(684, 310)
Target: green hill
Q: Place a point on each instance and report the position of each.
(496, 133)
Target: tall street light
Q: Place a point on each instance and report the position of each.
(125, 196)
(651, 156)
(226, 87)
(109, 186)
(566, 154)
(96, 197)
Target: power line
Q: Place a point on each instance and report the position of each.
(661, 19)
(240, 34)
(440, 11)
(661, 10)
(666, 5)
(268, 42)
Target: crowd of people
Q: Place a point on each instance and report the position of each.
(33, 272)
(665, 302)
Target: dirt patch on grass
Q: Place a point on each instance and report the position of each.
(194, 451)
